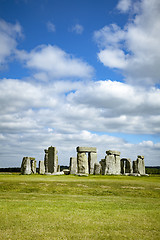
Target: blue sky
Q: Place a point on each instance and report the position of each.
(79, 73)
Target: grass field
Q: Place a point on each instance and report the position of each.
(69, 207)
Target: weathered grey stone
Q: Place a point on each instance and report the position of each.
(26, 165)
(46, 160)
(86, 149)
(66, 171)
(112, 164)
(134, 174)
(33, 166)
(97, 168)
(58, 168)
(113, 152)
(139, 166)
(82, 163)
(73, 165)
(126, 166)
(81, 175)
(41, 167)
(103, 166)
(140, 156)
(92, 159)
(57, 173)
(52, 159)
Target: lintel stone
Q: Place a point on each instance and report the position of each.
(140, 156)
(86, 149)
(112, 152)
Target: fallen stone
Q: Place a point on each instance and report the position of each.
(58, 173)
(81, 175)
(66, 171)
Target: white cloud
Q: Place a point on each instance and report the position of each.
(78, 29)
(51, 27)
(67, 114)
(55, 63)
(8, 40)
(124, 5)
(135, 48)
(113, 58)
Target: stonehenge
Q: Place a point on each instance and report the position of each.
(85, 163)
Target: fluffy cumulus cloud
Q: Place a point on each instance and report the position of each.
(8, 40)
(133, 49)
(124, 5)
(67, 114)
(51, 62)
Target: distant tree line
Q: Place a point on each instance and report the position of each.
(10, 169)
(18, 169)
(153, 170)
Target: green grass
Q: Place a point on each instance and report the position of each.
(69, 207)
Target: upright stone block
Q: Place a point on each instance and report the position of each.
(92, 159)
(139, 166)
(82, 162)
(41, 167)
(52, 160)
(26, 166)
(73, 165)
(113, 165)
(33, 166)
(58, 168)
(117, 164)
(97, 168)
(46, 160)
(103, 166)
(135, 167)
(110, 162)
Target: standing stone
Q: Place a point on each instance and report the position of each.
(112, 162)
(103, 166)
(33, 165)
(58, 168)
(139, 166)
(135, 167)
(92, 159)
(26, 166)
(97, 168)
(82, 163)
(73, 165)
(52, 160)
(41, 167)
(46, 160)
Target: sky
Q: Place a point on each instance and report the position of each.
(79, 73)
